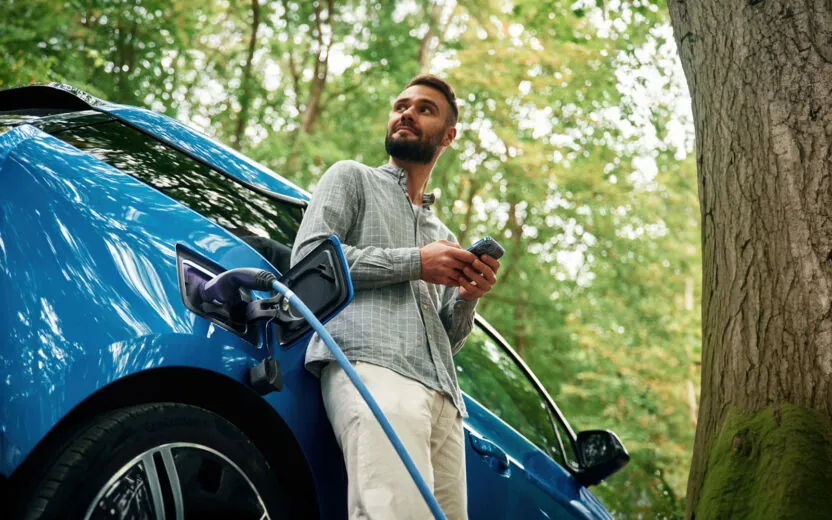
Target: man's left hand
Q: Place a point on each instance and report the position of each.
(480, 276)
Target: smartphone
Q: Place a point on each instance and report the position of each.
(487, 246)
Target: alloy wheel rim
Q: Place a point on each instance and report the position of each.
(170, 480)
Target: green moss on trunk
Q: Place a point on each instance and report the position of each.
(775, 463)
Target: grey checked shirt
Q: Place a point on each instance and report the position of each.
(396, 320)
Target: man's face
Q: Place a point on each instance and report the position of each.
(419, 125)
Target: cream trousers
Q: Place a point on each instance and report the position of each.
(429, 426)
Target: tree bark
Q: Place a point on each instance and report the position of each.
(689, 386)
(245, 96)
(760, 77)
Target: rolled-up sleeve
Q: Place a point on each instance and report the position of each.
(335, 209)
(457, 316)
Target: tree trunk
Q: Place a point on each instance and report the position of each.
(689, 386)
(245, 96)
(516, 247)
(119, 62)
(760, 76)
(313, 102)
(520, 336)
(426, 52)
(465, 228)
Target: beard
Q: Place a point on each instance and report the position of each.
(421, 150)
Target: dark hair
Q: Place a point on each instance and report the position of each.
(435, 82)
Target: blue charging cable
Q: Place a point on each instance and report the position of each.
(298, 304)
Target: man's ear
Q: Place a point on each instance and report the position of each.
(450, 135)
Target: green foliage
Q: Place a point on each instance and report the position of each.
(569, 153)
(775, 463)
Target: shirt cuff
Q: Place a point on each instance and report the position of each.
(463, 305)
(412, 265)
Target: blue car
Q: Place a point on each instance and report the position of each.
(128, 394)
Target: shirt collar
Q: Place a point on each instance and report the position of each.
(428, 199)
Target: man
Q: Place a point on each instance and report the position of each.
(415, 294)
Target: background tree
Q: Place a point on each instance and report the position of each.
(760, 75)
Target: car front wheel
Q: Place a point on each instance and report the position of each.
(163, 461)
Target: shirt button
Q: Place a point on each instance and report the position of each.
(425, 306)
(430, 337)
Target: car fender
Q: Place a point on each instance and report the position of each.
(90, 296)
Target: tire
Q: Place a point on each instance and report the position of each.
(106, 470)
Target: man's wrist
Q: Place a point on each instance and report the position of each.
(460, 300)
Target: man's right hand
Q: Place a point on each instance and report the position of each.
(443, 262)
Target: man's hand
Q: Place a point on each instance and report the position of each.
(443, 262)
(480, 276)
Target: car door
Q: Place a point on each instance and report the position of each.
(516, 457)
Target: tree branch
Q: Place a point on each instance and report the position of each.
(342, 92)
(293, 71)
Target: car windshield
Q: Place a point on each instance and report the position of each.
(11, 120)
